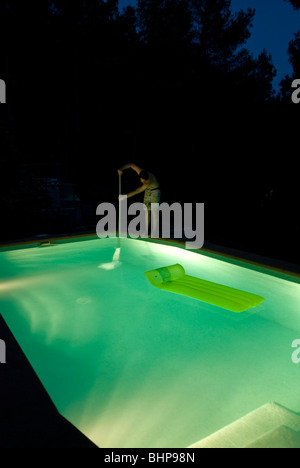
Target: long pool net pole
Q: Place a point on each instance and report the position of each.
(120, 211)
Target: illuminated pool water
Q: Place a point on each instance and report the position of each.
(133, 366)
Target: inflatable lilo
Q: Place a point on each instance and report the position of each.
(174, 279)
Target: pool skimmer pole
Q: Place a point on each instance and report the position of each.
(116, 258)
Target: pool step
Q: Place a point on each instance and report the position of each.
(281, 437)
(272, 425)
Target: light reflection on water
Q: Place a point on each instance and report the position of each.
(132, 366)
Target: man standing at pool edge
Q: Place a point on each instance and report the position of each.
(150, 186)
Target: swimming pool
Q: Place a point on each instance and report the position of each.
(133, 366)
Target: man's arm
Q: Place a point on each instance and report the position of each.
(137, 169)
(137, 191)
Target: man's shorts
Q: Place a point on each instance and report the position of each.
(152, 196)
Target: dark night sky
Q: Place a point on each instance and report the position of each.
(274, 26)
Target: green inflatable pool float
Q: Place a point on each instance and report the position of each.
(174, 279)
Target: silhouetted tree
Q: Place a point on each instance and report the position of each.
(221, 36)
(255, 77)
(91, 86)
(294, 53)
(294, 59)
(219, 32)
(164, 22)
(295, 3)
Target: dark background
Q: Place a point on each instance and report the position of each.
(168, 85)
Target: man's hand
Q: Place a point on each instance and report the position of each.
(122, 197)
(120, 172)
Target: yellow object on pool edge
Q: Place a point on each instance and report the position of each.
(174, 279)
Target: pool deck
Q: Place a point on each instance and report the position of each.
(255, 259)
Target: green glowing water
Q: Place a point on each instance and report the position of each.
(133, 366)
